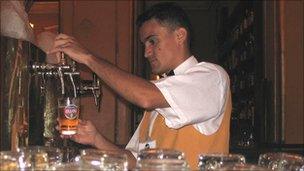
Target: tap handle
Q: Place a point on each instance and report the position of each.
(43, 83)
(73, 84)
(73, 66)
(60, 74)
(62, 59)
(97, 93)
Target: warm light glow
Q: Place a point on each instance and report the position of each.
(32, 25)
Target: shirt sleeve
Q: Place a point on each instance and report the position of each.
(196, 97)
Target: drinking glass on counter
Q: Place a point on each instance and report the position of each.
(282, 161)
(161, 159)
(68, 113)
(24, 160)
(69, 151)
(103, 160)
(54, 155)
(216, 161)
(74, 166)
(243, 167)
(30, 158)
(8, 161)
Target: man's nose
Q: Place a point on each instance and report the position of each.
(148, 51)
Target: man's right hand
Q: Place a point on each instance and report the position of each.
(70, 46)
(86, 133)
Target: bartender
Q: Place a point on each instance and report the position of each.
(188, 109)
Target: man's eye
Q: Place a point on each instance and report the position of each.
(152, 41)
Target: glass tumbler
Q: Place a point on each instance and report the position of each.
(216, 161)
(282, 161)
(24, 160)
(68, 113)
(243, 167)
(54, 154)
(74, 166)
(8, 161)
(103, 160)
(161, 159)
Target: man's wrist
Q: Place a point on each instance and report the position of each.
(89, 60)
(96, 141)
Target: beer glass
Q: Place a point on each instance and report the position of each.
(216, 161)
(8, 161)
(74, 166)
(24, 160)
(68, 113)
(54, 154)
(161, 160)
(103, 160)
(282, 161)
(243, 167)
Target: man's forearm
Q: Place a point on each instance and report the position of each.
(134, 89)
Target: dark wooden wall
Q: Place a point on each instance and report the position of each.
(106, 29)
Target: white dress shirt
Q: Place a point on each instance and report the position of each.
(196, 95)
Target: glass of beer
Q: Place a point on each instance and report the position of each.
(68, 113)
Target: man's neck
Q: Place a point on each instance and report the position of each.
(182, 59)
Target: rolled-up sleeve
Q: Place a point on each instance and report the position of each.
(196, 97)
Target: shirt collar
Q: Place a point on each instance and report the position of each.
(183, 67)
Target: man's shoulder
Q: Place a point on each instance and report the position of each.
(205, 66)
(208, 67)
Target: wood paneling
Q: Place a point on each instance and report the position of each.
(44, 16)
(272, 129)
(106, 29)
(292, 56)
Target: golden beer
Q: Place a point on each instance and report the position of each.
(68, 113)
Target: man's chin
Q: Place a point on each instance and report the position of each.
(156, 72)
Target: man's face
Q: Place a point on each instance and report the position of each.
(160, 46)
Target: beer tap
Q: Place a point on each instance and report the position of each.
(62, 63)
(70, 74)
(73, 68)
(83, 87)
(96, 91)
(61, 80)
(42, 84)
(73, 83)
(93, 87)
(61, 70)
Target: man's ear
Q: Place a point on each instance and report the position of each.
(181, 35)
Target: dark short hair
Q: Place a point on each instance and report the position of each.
(167, 14)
